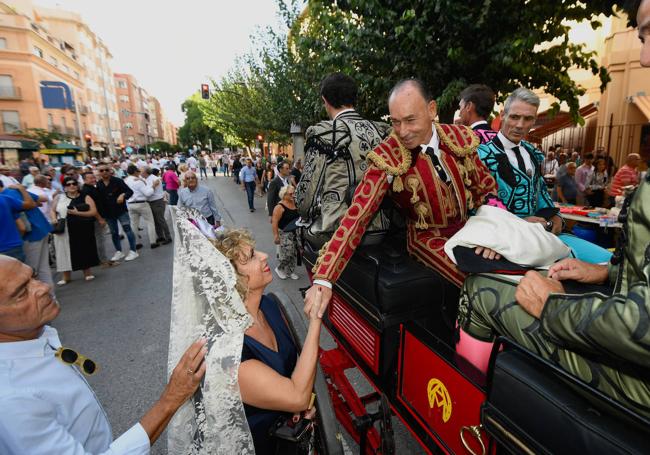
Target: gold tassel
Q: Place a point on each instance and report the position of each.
(412, 183)
(398, 185)
(421, 210)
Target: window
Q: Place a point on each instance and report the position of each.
(63, 124)
(50, 122)
(122, 84)
(7, 86)
(76, 75)
(65, 68)
(10, 121)
(54, 62)
(3, 43)
(124, 98)
(38, 52)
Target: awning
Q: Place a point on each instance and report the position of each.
(559, 122)
(18, 142)
(66, 146)
(58, 152)
(643, 103)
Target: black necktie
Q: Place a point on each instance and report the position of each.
(436, 163)
(520, 159)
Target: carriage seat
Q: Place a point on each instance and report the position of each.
(388, 287)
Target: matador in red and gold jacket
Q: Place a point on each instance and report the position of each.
(434, 210)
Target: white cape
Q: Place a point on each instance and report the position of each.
(205, 303)
(517, 240)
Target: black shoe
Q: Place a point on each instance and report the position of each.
(138, 246)
(155, 245)
(121, 236)
(252, 210)
(166, 242)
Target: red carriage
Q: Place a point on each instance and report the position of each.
(394, 321)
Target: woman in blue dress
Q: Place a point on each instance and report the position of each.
(274, 381)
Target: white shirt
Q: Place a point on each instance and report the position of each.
(155, 164)
(512, 157)
(192, 163)
(7, 180)
(48, 193)
(141, 191)
(48, 407)
(141, 164)
(157, 191)
(479, 122)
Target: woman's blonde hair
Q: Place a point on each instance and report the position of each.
(232, 243)
(183, 168)
(284, 190)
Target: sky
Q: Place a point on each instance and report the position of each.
(172, 47)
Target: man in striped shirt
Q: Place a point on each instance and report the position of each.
(626, 175)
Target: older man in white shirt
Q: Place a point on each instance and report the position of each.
(47, 406)
(138, 204)
(158, 205)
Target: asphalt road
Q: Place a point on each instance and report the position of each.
(121, 319)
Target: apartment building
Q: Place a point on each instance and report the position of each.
(41, 79)
(103, 122)
(134, 111)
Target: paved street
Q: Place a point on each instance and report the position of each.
(121, 319)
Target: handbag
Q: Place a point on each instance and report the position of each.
(292, 438)
(59, 226)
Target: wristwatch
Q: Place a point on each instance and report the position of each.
(549, 225)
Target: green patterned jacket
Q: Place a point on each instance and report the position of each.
(617, 326)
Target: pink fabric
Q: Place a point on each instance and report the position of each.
(171, 180)
(474, 351)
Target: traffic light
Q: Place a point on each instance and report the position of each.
(89, 141)
(205, 91)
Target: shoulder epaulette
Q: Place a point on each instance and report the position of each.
(393, 158)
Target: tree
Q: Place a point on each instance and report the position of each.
(449, 44)
(195, 129)
(45, 137)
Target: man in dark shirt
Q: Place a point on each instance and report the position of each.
(90, 189)
(115, 193)
(273, 195)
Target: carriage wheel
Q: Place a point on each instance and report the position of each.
(386, 427)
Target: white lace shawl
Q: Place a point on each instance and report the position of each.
(205, 303)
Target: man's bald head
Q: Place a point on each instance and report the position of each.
(412, 112)
(411, 84)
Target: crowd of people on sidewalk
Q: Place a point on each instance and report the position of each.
(61, 215)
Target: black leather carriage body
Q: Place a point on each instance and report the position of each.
(533, 407)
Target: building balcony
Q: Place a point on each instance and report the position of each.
(10, 93)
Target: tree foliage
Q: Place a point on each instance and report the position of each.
(195, 129)
(448, 44)
(45, 137)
